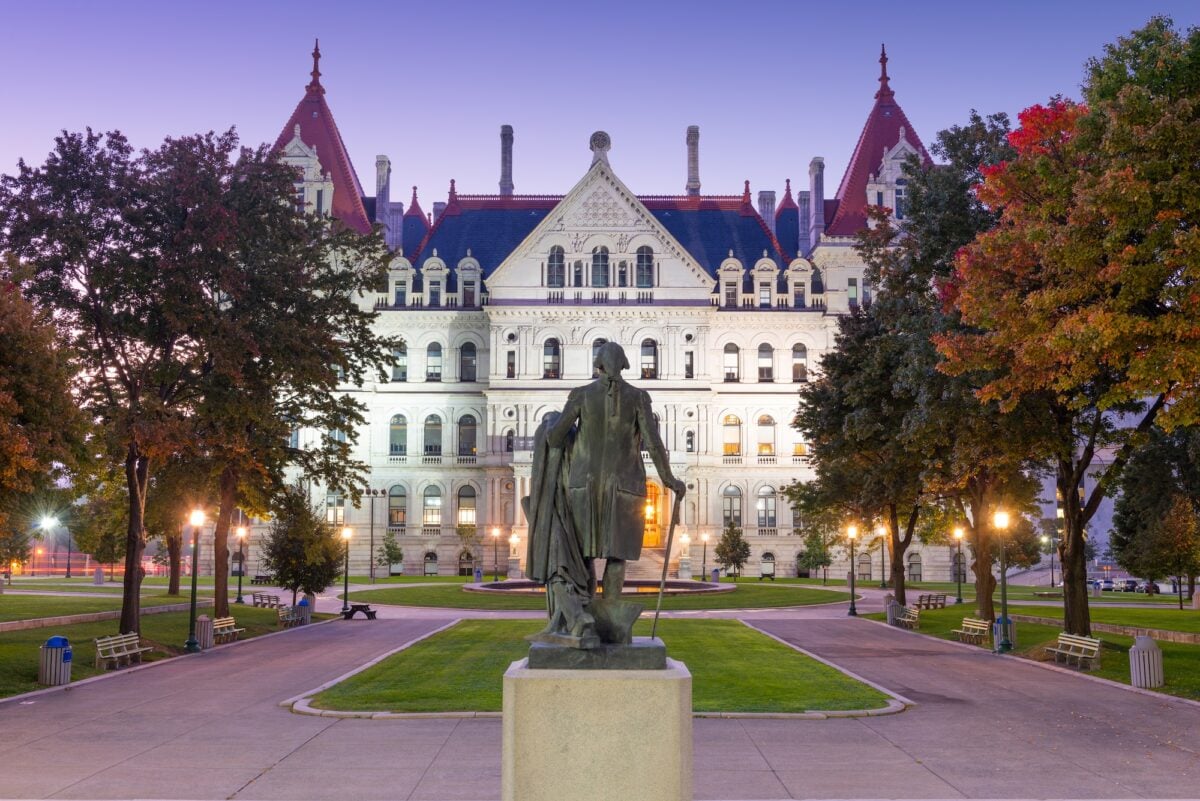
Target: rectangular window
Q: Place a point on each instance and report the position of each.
(401, 294)
(731, 294)
(335, 509)
(878, 198)
(866, 293)
(852, 291)
(797, 296)
(466, 511)
(510, 368)
(689, 364)
(469, 294)
(435, 294)
(764, 296)
(432, 512)
(320, 201)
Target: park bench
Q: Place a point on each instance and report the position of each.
(933, 601)
(973, 630)
(1073, 646)
(909, 618)
(266, 599)
(1048, 593)
(364, 608)
(289, 616)
(118, 649)
(225, 630)
(260, 578)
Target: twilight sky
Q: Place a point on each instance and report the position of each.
(771, 84)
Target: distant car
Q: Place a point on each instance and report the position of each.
(1127, 585)
(1106, 585)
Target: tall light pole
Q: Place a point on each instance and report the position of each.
(852, 533)
(36, 554)
(48, 524)
(346, 532)
(1000, 523)
(196, 519)
(704, 561)
(241, 535)
(882, 532)
(958, 565)
(512, 548)
(373, 495)
(496, 554)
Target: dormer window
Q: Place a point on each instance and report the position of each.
(401, 298)
(435, 294)
(468, 293)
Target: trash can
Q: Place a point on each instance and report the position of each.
(305, 609)
(892, 608)
(204, 632)
(98, 577)
(54, 662)
(479, 575)
(1097, 592)
(716, 575)
(1145, 663)
(998, 631)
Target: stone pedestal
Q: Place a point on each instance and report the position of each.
(685, 568)
(514, 567)
(597, 735)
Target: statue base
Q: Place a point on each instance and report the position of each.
(643, 654)
(596, 735)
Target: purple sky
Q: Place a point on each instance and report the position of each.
(771, 84)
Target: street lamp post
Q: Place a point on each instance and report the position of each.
(346, 532)
(852, 533)
(373, 495)
(882, 532)
(36, 554)
(958, 565)
(196, 520)
(1000, 522)
(704, 560)
(496, 553)
(241, 535)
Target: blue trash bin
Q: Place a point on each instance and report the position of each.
(479, 575)
(716, 575)
(54, 662)
(305, 611)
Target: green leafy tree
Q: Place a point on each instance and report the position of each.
(1082, 299)
(816, 554)
(389, 551)
(15, 546)
(301, 549)
(732, 551)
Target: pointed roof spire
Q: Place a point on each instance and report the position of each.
(885, 91)
(315, 84)
(414, 208)
(453, 192)
(788, 202)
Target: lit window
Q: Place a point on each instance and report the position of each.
(397, 506)
(732, 427)
(466, 506)
(335, 509)
(766, 435)
(431, 510)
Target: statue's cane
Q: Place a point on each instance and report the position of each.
(662, 584)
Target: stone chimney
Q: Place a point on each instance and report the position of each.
(693, 159)
(805, 244)
(383, 188)
(766, 207)
(816, 200)
(506, 142)
(438, 207)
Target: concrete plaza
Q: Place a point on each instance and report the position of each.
(211, 726)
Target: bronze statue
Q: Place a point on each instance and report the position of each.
(587, 499)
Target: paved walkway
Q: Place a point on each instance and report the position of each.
(210, 726)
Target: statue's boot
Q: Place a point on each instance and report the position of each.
(614, 579)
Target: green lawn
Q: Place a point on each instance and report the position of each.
(1168, 618)
(734, 669)
(750, 596)
(1181, 663)
(166, 632)
(25, 607)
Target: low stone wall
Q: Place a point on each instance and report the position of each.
(94, 617)
(1165, 635)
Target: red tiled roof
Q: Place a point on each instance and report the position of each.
(881, 133)
(319, 131)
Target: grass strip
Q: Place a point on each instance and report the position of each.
(27, 607)
(1181, 662)
(744, 597)
(734, 669)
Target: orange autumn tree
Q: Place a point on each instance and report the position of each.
(1084, 299)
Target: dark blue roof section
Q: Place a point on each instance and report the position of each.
(412, 231)
(709, 235)
(787, 229)
(491, 234)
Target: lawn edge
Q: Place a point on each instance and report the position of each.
(1047, 666)
(125, 671)
(31, 623)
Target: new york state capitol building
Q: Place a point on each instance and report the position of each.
(724, 305)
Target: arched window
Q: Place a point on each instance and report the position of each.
(431, 509)
(914, 567)
(645, 266)
(431, 568)
(765, 505)
(864, 567)
(466, 435)
(766, 363)
(577, 274)
(398, 435)
(731, 362)
(596, 343)
(433, 435)
(467, 360)
(397, 507)
(731, 506)
(732, 427)
(466, 562)
(400, 368)
(509, 439)
(649, 358)
(466, 506)
(766, 435)
(689, 439)
(551, 359)
(433, 362)
(556, 268)
(799, 363)
(600, 266)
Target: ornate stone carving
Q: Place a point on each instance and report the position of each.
(601, 210)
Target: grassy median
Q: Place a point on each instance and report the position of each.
(734, 669)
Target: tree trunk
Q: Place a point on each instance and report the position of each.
(221, 543)
(1076, 616)
(137, 470)
(174, 561)
(1191, 586)
(899, 546)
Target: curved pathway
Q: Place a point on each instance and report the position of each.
(210, 726)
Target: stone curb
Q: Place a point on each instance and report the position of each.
(1047, 666)
(300, 705)
(1165, 635)
(92, 617)
(125, 671)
